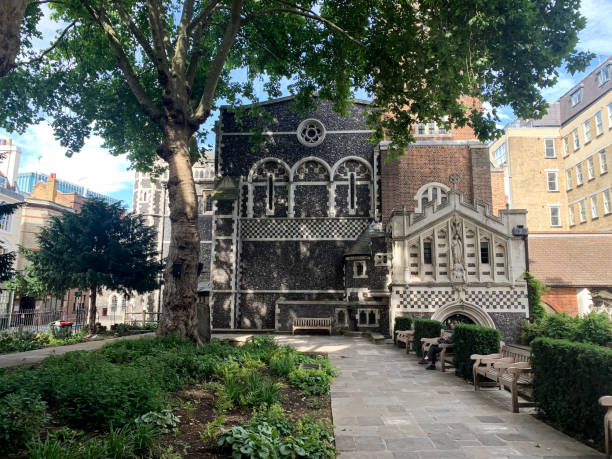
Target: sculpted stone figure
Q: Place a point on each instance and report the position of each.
(457, 243)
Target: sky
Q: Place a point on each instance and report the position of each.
(97, 170)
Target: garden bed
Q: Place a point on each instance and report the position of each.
(163, 397)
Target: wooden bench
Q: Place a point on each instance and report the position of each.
(606, 401)
(510, 370)
(446, 354)
(406, 336)
(312, 323)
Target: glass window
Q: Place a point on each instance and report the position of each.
(565, 146)
(427, 252)
(603, 75)
(432, 128)
(270, 193)
(555, 217)
(572, 219)
(594, 206)
(484, 252)
(587, 131)
(568, 178)
(209, 202)
(576, 97)
(421, 128)
(590, 168)
(352, 199)
(441, 129)
(598, 123)
(549, 145)
(603, 162)
(576, 139)
(582, 207)
(606, 200)
(552, 181)
(578, 174)
(6, 221)
(500, 154)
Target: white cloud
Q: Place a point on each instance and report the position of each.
(93, 167)
(597, 35)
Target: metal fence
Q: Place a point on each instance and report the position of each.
(40, 321)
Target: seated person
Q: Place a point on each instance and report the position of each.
(434, 350)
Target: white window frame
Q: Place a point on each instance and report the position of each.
(556, 181)
(557, 208)
(6, 223)
(587, 131)
(598, 123)
(554, 153)
(603, 76)
(500, 153)
(609, 116)
(568, 179)
(594, 212)
(606, 200)
(576, 139)
(572, 217)
(579, 176)
(603, 162)
(566, 151)
(576, 97)
(590, 168)
(582, 208)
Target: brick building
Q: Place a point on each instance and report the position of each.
(315, 223)
(557, 167)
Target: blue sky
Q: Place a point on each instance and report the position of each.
(96, 169)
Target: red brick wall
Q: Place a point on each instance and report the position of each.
(562, 300)
(498, 195)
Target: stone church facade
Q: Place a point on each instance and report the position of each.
(315, 223)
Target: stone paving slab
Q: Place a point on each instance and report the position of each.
(385, 405)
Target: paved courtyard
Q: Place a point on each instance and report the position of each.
(385, 405)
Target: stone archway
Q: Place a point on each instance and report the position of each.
(475, 313)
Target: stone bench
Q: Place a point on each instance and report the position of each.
(312, 323)
(606, 401)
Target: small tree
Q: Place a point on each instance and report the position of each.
(27, 283)
(7, 259)
(101, 247)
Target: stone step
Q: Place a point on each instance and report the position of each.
(377, 338)
(359, 334)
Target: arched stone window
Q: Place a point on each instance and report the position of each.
(442, 253)
(470, 252)
(352, 188)
(431, 192)
(310, 185)
(500, 260)
(113, 302)
(413, 252)
(269, 189)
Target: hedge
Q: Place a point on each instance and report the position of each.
(569, 378)
(471, 339)
(425, 328)
(401, 323)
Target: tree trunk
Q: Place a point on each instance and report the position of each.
(11, 15)
(92, 310)
(179, 313)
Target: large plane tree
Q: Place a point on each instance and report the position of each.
(147, 74)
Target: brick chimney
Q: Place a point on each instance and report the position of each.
(52, 187)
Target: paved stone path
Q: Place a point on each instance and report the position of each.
(385, 405)
(32, 357)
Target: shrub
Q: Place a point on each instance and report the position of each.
(22, 415)
(14, 342)
(401, 323)
(569, 378)
(212, 430)
(312, 382)
(425, 328)
(472, 339)
(535, 288)
(283, 361)
(594, 328)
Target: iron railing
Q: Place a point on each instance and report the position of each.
(38, 321)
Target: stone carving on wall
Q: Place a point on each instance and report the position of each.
(602, 301)
(458, 273)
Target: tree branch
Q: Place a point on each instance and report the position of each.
(142, 40)
(159, 37)
(306, 14)
(203, 16)
(205, 105)
(182, 39)
(123, 62)
(52, 47)
(195, 55)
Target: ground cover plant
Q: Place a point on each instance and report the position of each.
(593, 328)
(133, 398)
(21, 341)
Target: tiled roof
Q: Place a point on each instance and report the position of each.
(362, 245)
(571, 259)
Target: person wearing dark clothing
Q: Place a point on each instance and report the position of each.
(434, 350)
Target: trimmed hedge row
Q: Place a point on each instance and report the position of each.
(401, 323)
(425, 328)
(471, 339)
(569, 378)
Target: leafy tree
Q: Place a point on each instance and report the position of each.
(147, 74)
(7, 260)
(27, 283)
(100, 247)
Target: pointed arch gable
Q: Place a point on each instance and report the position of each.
(351, 158)
(310, 159)
(266, 160)
(477, 314)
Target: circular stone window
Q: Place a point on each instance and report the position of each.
(311, 132)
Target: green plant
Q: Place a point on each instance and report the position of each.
(535, 288)
(425, 328)
(53, 448)
(257, 441)
(159, 419)
(472, 339)
(401, 323)
(212, 430)
(13, 342)
(569, 378)
(283, 361)
(22, 416)
(595, 328)
(273, 415)
(312, 382)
